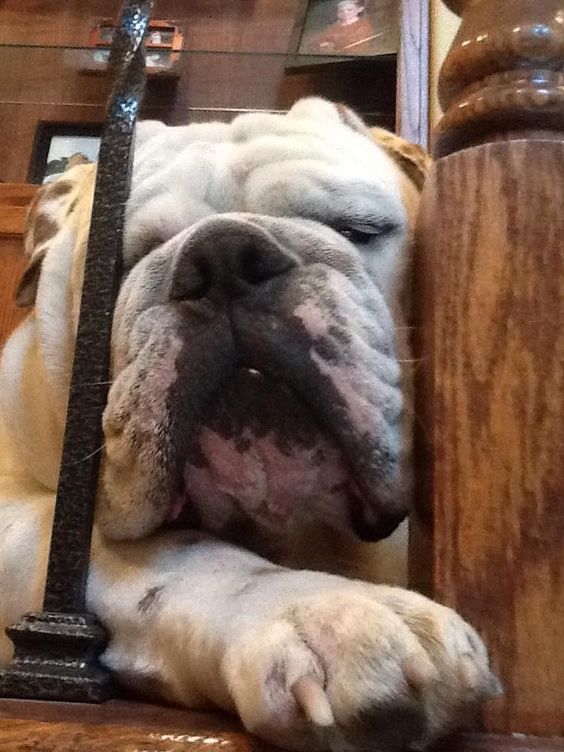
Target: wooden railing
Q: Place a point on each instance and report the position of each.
(489, 538)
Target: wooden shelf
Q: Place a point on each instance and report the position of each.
(15, 199)
(118, 726)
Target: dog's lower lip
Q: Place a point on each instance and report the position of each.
(367, 521)
(370, 526)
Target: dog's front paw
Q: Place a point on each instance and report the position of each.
(360, 667)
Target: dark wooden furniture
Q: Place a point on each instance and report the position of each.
(237, 60)
(118, 726)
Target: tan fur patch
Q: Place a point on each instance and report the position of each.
(412, 159)
(43, 229)
(59, 188)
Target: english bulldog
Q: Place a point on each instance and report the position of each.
(257, 433)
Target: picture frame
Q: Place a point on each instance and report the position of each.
(343, 32)
(163, 44)
(57, 143)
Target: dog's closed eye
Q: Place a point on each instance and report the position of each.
(363, 234)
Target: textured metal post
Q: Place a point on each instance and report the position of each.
(56, 650)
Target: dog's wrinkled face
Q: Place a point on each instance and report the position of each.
(255, 375)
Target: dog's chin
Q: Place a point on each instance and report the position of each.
(261, 454)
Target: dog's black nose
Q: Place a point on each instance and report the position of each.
(227, 258)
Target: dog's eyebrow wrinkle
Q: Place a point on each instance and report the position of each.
(148, 600)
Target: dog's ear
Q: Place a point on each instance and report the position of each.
(352, 119)
(412, 159)
(43, 222)
(27, 287)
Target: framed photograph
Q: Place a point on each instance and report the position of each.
(344, 30)
(58, 146)
(163, 44)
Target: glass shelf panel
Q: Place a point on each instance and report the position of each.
(52, 84)
(260, 26)
(213, 80)
(310, 57)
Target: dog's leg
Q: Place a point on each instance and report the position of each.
(308, 660)
(26, 515)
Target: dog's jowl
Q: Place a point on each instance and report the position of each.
(257, 434)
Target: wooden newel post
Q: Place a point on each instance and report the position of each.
(489, 531)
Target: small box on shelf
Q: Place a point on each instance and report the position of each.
(164, 42)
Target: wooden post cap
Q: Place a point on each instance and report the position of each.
(504, 73)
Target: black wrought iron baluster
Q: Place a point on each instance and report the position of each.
(56, 650)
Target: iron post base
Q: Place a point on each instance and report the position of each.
(55, 658)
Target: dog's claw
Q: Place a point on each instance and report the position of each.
(311, 698)
(494, 686)
(469, 673)
(419, 670)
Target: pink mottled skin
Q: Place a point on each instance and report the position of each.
(269, 485)
(312, 318)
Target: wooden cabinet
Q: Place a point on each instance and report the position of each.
(236, 58)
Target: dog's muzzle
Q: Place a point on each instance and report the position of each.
(304, 418)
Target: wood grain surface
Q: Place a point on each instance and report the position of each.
(14, 202)
(12, 265)
(491, 413)
(118, 726)
(503, 72)
(15, 199)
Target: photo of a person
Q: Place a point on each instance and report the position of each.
(66, 151)
(349, 27)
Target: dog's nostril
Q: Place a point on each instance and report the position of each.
(195, 282)
(256, 265)
(250, 267)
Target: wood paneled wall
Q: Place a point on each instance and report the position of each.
(207, 24)
(44, 83)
